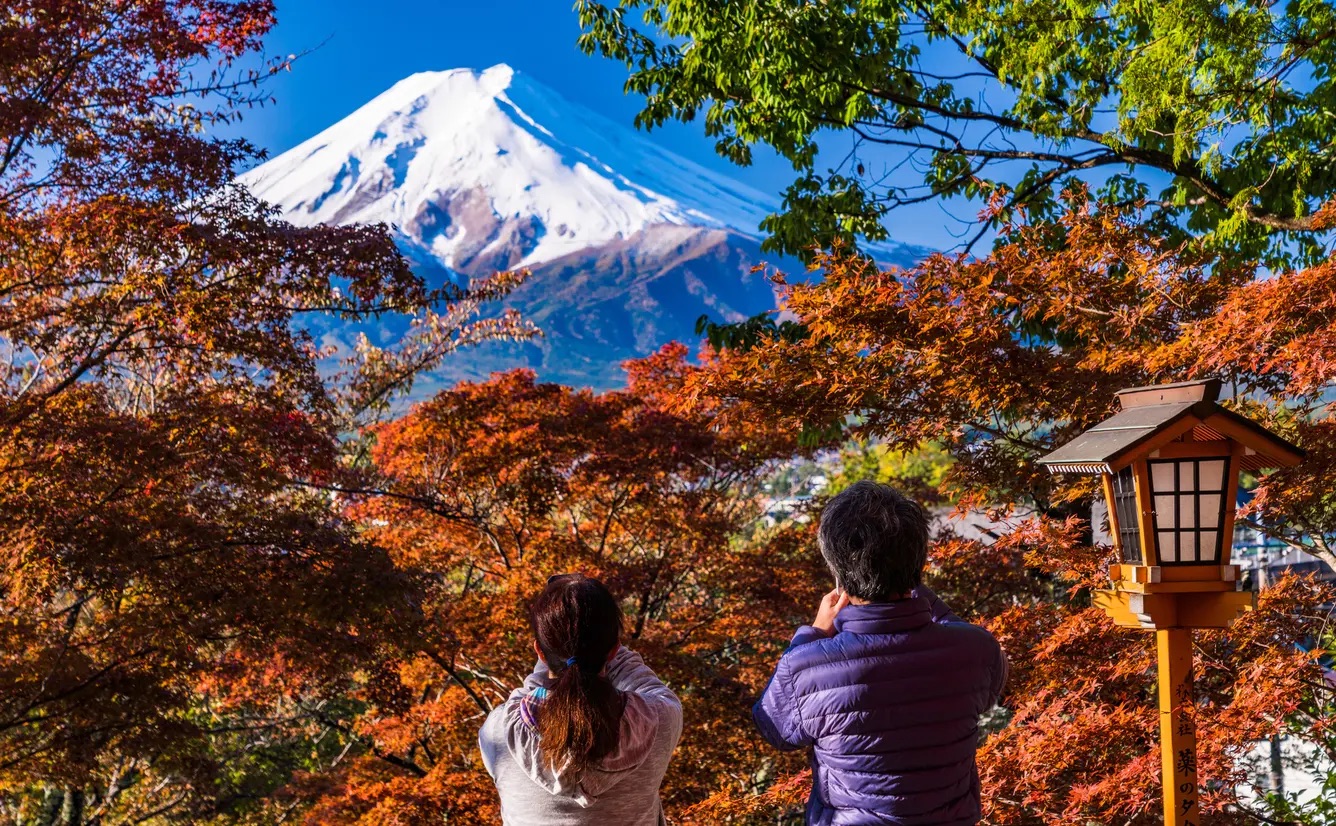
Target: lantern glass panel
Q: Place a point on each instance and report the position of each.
(1129, 519)
(1168, 544)
(1210, 503)
(1162, 475)
(1212, 474)
(1188, 495)
(1187, 512)
(1164, 505)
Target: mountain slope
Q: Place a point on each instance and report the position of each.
(627, 298)
(486, 170)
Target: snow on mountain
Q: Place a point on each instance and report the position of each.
(478, 171)
(488, 169)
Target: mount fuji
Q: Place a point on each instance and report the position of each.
(477, 171)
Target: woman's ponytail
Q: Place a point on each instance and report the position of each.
(580, 720)
(577, 623)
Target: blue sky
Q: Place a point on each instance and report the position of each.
(361, 48)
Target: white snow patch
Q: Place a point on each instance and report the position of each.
(586, 179)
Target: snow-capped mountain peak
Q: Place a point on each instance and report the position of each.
(488, 169)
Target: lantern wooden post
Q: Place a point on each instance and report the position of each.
(1178, 730)
(1173, 447)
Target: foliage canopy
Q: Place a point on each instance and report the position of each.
(176, 591)
(1217, 115)
(214, 609)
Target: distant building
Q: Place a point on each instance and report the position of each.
(975, 525)
(786, 508)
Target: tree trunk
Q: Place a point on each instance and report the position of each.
(1277, 778)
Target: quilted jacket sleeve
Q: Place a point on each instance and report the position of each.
(1000, 673)
(776, 713)
(940, 611)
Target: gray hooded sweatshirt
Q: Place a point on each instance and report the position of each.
(622, 790)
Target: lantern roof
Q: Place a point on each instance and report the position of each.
(1151, 417)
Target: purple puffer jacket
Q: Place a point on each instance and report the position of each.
(890, 706)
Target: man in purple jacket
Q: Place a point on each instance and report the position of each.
(886, 685)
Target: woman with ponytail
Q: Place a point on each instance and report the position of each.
(587, 738)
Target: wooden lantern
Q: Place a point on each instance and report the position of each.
(1170, 461)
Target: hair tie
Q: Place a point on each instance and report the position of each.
(570, 662)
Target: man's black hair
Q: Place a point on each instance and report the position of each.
(875, 541)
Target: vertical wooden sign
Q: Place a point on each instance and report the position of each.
(1178, 732)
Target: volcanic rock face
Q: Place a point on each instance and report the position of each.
(485, 170)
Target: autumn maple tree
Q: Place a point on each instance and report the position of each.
(1002, 358)
(1138, 164)
(176, 586)
(235, 589)
(487, 489)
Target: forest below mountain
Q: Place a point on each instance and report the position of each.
(238, 587)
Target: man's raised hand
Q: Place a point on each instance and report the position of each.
(830, 606)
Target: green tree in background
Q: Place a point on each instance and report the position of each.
(920, 473)
(1218, 115)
